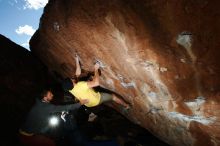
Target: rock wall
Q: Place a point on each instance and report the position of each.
(161, 56)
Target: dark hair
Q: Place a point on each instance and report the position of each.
(67, 84)
(44, 92)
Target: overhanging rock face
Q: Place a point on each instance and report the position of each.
(161, 56)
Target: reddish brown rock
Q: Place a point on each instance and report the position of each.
(161, 56)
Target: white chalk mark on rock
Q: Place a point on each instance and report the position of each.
(186, 118)
(128, 85)
(56, 26)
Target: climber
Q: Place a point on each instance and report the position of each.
(84, 89)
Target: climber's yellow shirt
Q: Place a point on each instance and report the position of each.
(82, 91)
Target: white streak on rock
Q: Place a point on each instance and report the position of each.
(128, 85)
(185, 40)
(163, 69)
(186, 118)
(120, 37)
(196, 105)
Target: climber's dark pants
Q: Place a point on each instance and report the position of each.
(105, 97)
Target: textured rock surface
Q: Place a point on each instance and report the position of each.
(161, 56)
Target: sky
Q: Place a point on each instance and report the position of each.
(19, 19)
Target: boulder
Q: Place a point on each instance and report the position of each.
(160, 56)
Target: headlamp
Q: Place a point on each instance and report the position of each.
(53, 121)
